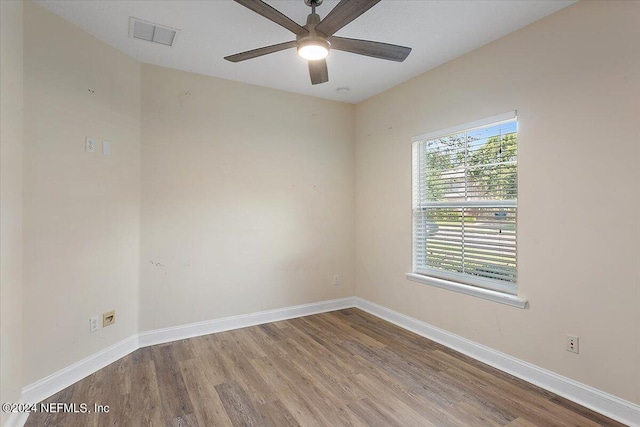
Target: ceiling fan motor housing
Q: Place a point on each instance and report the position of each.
(314, 37)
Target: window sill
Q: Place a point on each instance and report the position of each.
(487, 294)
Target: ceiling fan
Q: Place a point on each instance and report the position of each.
(316, 38)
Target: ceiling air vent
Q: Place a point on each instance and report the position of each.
(144, 30)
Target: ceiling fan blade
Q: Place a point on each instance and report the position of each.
(260, 51)
(343, 13)
(318, 71)
(272, 14)
(387, 51)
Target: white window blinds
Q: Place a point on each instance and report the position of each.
(465, 203)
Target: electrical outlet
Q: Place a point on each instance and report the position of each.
(90, 144)
(573, 344)
(94, 323)
(108, 318)
(336, 280)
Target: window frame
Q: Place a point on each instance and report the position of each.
(496, 290)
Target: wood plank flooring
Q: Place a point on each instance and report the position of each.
(344, 368)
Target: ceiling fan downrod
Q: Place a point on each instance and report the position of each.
(313, 3)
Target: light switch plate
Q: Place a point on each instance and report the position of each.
(106, 148)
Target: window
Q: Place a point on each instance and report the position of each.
(465, 204)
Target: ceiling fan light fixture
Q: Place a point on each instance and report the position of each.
(314, 50)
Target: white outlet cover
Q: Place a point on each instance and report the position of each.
(90, 145)
(94, 323)
(573, 344)
(106, 148)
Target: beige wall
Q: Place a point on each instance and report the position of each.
(247, 198)
(81, 210)
(574, 78)
(11, 98)
(243, 197)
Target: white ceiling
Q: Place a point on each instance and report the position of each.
(437, 30)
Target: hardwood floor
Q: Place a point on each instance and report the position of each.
(344, 368)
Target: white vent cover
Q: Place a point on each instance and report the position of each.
(144, 30)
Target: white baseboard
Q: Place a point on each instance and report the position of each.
(159, 336)
(62, 379)
(17, 419)
(599, 401)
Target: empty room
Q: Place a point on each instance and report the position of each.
(320, 213)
